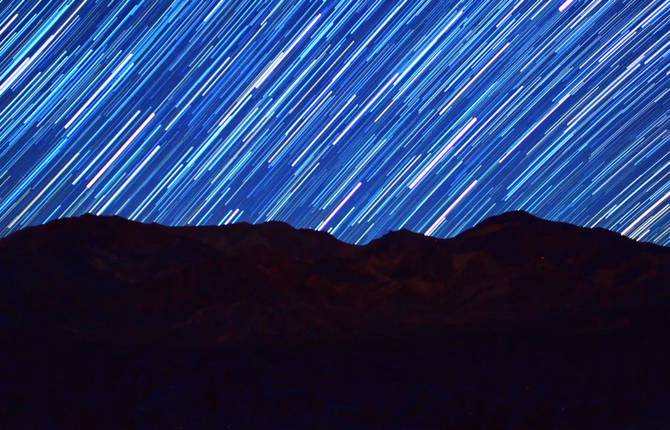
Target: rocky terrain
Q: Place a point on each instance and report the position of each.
(516, 323)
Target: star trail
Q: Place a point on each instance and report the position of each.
(352, 117)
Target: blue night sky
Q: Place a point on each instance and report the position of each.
(353, 117)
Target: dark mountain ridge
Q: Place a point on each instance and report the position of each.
(271, 283)
(518, 323)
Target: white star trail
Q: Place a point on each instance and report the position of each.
(355, 116)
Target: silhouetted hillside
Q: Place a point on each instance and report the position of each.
(248, 325)
(106, 278)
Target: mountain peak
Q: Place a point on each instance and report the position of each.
(402, 235)
(512, 266)
(517, 215)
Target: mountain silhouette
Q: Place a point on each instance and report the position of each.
(107, 277)
(137, 322)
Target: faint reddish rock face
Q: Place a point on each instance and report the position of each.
(109, 278)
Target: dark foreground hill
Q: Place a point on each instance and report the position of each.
(517, 323)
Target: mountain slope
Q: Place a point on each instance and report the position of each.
(518, 323)
(107, 278)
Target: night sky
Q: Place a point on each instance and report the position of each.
(353, 117)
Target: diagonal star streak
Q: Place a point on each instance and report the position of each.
(354, 117)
